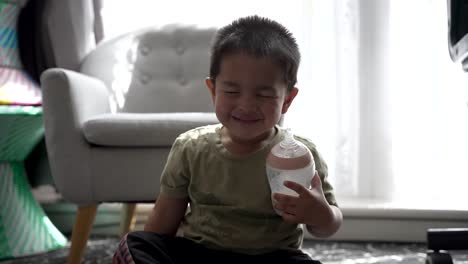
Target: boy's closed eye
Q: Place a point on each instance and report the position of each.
(230, 91)
(266, 92)
(230, 88)
(266, 95)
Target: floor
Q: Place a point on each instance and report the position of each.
(101, 249)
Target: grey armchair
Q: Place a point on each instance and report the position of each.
(110, 126)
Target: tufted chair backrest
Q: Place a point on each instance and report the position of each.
(155, 69)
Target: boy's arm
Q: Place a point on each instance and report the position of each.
(166, 215)
(331, 225)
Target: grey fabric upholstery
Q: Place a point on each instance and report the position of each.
(68, 31)
(109, 127)
(141, 130)
(165, 66)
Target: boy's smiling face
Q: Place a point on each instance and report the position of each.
(249, 96)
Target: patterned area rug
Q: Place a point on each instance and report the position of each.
(101, 249)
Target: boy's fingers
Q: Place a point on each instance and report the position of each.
(316, 182)
(282, 198)
(288, 217)
(295, 187)
(279, 207)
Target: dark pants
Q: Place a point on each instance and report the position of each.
(147, 247)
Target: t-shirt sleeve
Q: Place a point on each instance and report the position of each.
(175, 176)
(322, 169)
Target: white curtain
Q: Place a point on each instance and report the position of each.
(401, 106)
(429, 107)
(377, 90)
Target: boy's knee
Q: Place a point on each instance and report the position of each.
(139, 246)
(122, 253)
(138, 235)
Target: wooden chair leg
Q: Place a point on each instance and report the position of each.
(81, 231)
(127, 222)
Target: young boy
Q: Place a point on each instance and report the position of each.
(214, 188)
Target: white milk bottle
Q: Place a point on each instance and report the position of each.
(289, 160)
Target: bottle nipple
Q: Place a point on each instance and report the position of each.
(288, 144)
(289, 147)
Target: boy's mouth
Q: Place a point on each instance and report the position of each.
(246, 119)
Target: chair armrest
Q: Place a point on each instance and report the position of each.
(142, 129)
(83, 95)
(69, 99)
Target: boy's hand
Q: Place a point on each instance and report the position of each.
(310, 207)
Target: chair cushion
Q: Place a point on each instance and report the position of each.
(142, 130)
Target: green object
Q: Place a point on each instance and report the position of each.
(24, 227)
(20, 130)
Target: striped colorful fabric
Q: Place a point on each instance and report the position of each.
(9, 55)
(21, 129)
(24, 227)
(122, 254)
(16, 87)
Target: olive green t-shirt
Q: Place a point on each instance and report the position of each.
(230, 197)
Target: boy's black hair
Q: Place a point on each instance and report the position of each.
(261, 37)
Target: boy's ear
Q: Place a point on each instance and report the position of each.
(288, 100)
(211, 86)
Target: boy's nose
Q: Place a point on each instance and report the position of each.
(247, 102)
